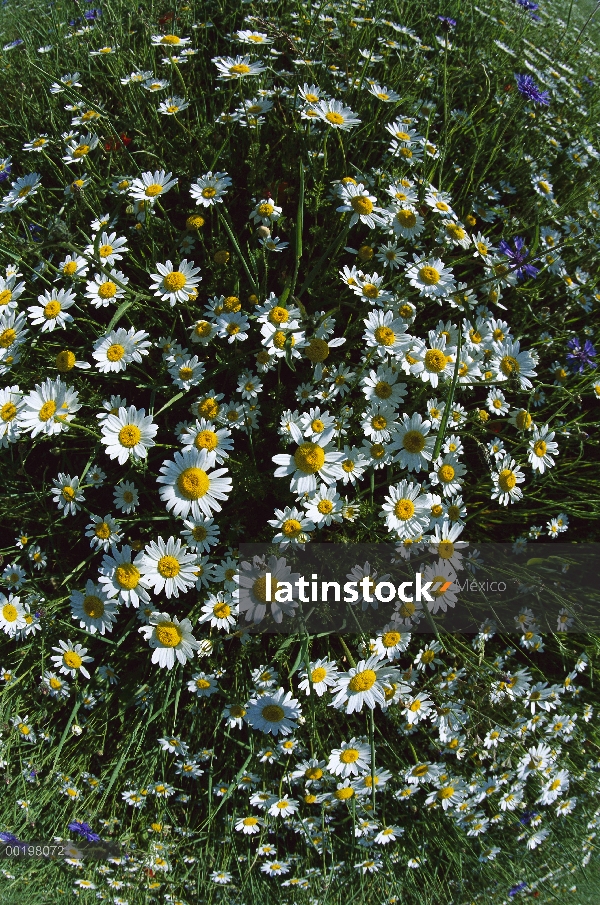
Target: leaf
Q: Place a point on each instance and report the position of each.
(119, 314)
(171, 401)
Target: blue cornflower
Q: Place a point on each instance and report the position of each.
(528, 5)
(85, 830)
(527, 87)
(579, 355)
(447, 22)
(8, 837)
(518, 888)
(517, 257)
(92, 14)
(5, 168)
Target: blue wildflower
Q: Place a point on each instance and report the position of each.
(530, 91)
(85, 830)
(517, 257)
(580, 355)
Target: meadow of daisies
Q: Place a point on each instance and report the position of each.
(294, 274)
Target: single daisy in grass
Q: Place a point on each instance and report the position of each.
(430, 277)
(74, 267)
(14, 575)
(70, 659)
(175, 285)
(171, 105)
(363, 206)
(275, 713)
(447, 474)
(128, 434)
(149, 186)
(265, 212)
(220, 610)
(253, 37)
(169, 41)
(67, 494)
(79, 147)
(406, 510)
(49, 408)
(253, 590)
(237, 68)
(412, 443)
(190, 487)
(12, 615)
(321, 676)
(293, 526)
(386, 333)
(352, 758)
(363, 685)
(103, 532)
(209, 189)
(249, 825)
(126, 497)
(434, 362)
(203, 684)
(201, 534)
(166, 566)
(405, 222)
(202, 332)
(505, 480)
(311, 460)
(105, 289)
(54, 685)
(390, 642)
(336, 115)
(204, 435)
(325, 506)
(170, 638)
(21, 189)
(542, 449)
(96, 613)
(186, 373)
(353, 465)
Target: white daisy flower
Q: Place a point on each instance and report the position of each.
(12, 615)
(11, 407)
(129, 434)
(435, 362)
(363, 206)
(363, 685)
(265, 212)
(167, 567)
(386, 333)
(14, 575)
(542, 449)
(67, 494)
(405, 222)
(191, 488)
(170, 638)
(171, 105)
(203, 684)
(21, 189)
(202, 332)
(74, 267)
(175, 285)
(406, 510)
(293, 526)
(391, 643)
(96, 613)
(104, 532)
(237, 68)
(220, 610)
(126, 497)
(311, 460)
(353, 465)
(149, 186)
(443, 589)
(70, 659)
(336, 115)
(447, 474)
(233, 327)
(325, 506)
(505, 480)
(120, 577)
(187, 373)
(79, 147)
(353, 758)
(275, 713)
(105, 290)
(430, 277)
(202, 435)
(412, 443)
(509, 361)
(210, 189)
(49, 408)
(169, 41)
(323, 675)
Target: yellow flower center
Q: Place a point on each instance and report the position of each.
(168, 567)
(68, 494)
(51, 309)
(370, 290)
(72, 659)
(377, 451)
(127, 576)
(81, 150)
(317, 350)
(93, 606)
(265, 210)
(65, 361)
(348, 466)
(429, 275)
(361, 204)
(406, 218)
(523, 420)
(273, 713)
(107, 290)
(507, 480)
(390, 639)
(47, 410)
(362, 681)
(291, 528)
(404, 509)
(445, 550)
(240, 69)
(317, 675)
(186, 373)
(130, 436)
(9, 612)
(208, 408)
(325, 507)
(174, 281)
(206, 439)
(344, 793)
(336, 119)
(385, 336)
(102, 531)
(168, 634)
(309, 458)
(456, 231)
(115, 352)
(446, 473)
(539, 448)
(193, 483)
(413, 441)
(8, 411)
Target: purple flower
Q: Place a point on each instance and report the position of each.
(8, 837)
(527, 816)
(530, 91)
(5, 171)
(517, 257)
(447, 22)
(85, 830)
(579, 355)
(528, 5)
(518, 888)
(92, 14)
